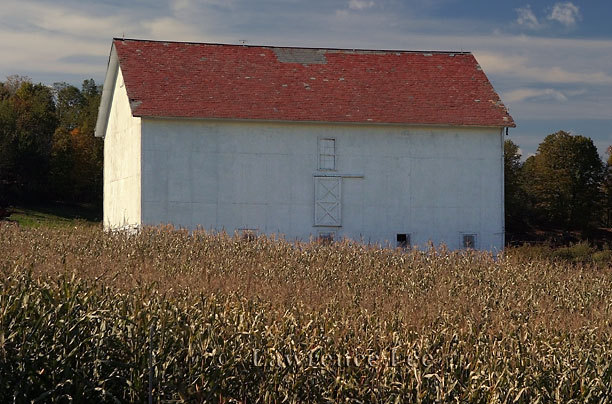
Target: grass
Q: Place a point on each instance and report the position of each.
(576, 253)
(54, 215)
(80, 311)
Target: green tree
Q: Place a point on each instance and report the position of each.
(8, 145)
(92, 159)
(27, 123)
(47, 143)
(513, 193)
(36, 123)
(61, 172)
(563, 181)
(14, 82)
(69, 102)
(607, 191)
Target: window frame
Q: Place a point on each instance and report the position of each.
(323, 153)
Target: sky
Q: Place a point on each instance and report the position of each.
(550, 61)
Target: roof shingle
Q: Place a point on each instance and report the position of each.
(199, 80)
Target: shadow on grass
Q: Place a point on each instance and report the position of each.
(55, 214)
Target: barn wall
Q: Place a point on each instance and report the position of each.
(122, 158)
(432, 183)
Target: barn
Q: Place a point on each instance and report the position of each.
(381, 146)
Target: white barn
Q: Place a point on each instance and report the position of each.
(392, 147)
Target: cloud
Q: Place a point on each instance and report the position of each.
(171, 28)
(585, 108)
(84, 58)
(192, 4)
(527, 18)
(520, 66)
(360, 4)
(62, 41)
(566, 13)
(522, 94)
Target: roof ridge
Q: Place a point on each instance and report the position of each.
(297, 47)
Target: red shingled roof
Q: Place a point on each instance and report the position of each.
(198, 80)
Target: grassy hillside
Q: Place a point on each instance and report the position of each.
(229, 320)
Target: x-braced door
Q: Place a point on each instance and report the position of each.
(328, 201)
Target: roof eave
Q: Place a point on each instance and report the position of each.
(107, 93)
(510, 124)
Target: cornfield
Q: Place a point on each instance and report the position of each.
(90, 316)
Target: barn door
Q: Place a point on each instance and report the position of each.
(328, 201)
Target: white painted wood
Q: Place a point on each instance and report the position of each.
(122, 159)
(434, 183)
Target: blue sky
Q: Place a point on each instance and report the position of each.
(551, 61)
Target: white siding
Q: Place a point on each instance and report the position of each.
(435, 184)
(122, 157)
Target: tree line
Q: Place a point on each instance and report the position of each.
(565, 185)
(48, 151)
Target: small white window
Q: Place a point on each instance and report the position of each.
(469, 241)
(327, 154)
(403, 240)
